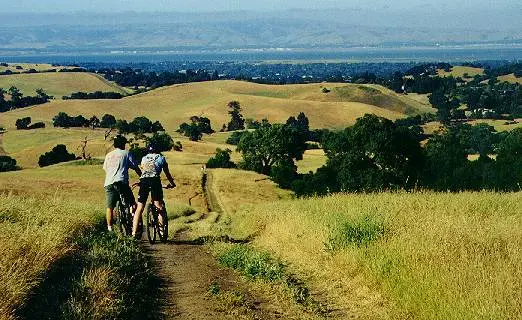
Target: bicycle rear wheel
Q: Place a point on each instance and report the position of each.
(163, 229)
(151, 223)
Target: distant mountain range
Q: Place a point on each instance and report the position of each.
(308, 29)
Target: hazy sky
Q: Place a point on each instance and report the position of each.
(233, 5)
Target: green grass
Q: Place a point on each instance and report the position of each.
(256, 265)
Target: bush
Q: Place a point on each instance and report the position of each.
(36, 125)
(56, 155)
(221, 159)
(7, 164)
(23, 123)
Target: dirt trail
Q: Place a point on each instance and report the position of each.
(190, 273)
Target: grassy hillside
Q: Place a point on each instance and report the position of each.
(176, 104)
(395, 256)
(510, 78)
(58, 84)
(459, 71)
(28, 66)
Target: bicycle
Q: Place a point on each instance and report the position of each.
(154, 229)
(124, 217)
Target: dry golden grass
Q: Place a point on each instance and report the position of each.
(442, 256)
(176, 104)
(34, 234)
(510, 78)
(58, 84)
(26, 146)
(312, 160)
(236, 188)
(459, 71)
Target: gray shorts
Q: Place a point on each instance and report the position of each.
(113, 191)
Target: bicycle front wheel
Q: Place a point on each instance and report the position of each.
(124, 218)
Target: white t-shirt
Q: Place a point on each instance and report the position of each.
(116, 166)
(151, 165)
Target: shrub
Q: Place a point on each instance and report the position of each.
(252, 264)
(221, 159)
(36, 125)
(56, 155)
(23, 123)
(7, 164)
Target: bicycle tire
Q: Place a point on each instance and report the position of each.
(151, 224)
(124, 218)
(163, 231)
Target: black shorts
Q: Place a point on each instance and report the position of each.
(152, 185)
(113, 191)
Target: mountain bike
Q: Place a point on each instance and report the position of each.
(124, 216)
(154, 227)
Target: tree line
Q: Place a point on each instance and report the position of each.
(93, 95)
(138, 125)
(377, 154)
(18, 100)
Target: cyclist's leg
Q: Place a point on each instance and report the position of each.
(111, 195)
(143, 194)
(129, 196)
(156, 194)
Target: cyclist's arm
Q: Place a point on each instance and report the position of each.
(134, 165)
(138, 170)
(167, 173)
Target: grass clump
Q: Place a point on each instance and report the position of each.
(358, 232)
(252, 264)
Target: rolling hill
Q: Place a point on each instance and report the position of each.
(176, 104)
(58, 84)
